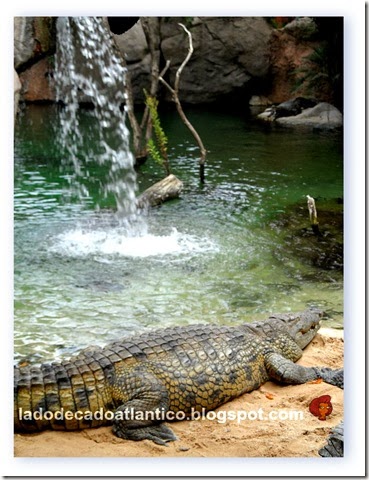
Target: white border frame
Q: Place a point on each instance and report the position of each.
(353, 464)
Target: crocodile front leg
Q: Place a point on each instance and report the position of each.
(143, 403)
(334, 377)
(284, 370)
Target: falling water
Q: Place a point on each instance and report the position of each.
(89, 70)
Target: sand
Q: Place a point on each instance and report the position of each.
(281, 437)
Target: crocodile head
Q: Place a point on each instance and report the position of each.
(304, 326)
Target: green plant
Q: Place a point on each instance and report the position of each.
(157, 150)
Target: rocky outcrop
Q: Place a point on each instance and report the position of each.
(258, 101)
(323, 116)
(133, 46)
(34, 38)
(24, 42)
(303, 112)
(287, 54)
(228, 54)
(302, 28)
(293, 107)
(34, 45)
(239, 57)
(37, 82)
(234, 58)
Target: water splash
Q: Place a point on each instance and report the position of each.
(114, 242)
(89, 69)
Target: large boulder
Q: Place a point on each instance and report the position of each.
(323, 116)
(136, 51)
(293, 107)
(34, 37)
(228, 53)
(23, 40)
(132, 43)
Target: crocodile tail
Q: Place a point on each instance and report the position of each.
(70, 395)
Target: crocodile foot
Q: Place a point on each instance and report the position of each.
(334, 377)
(160, 434)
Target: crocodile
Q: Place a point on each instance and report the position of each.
(139, 382)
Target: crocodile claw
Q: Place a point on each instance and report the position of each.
(160, 434)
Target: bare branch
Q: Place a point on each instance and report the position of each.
(164, 71)
(164, 82)
(175, 96)
(185, 61)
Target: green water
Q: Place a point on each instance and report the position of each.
(212, 256)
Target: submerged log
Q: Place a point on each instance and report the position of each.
(168, 188)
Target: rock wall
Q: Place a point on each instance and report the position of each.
(34, 46)
(287, 55)
(228, 54)
(234, 57)
(34, 38)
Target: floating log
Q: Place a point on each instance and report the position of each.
(167, 189)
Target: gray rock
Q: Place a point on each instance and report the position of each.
(34, 37)
(302, 28)
(257, 100)
(17, 89)
(323, 115)
(268, 115)
(228, 53)
(133, 43)
(23, 40)
(294, 106)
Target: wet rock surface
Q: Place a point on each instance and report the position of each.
(323, 250)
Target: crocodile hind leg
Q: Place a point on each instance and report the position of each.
(284, 370)
(143, 403)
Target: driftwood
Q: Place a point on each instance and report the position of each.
(168, 188)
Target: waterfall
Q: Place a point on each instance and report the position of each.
(89, 69)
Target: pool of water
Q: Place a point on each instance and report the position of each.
(82, 277)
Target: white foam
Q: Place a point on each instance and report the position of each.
(81, 242)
